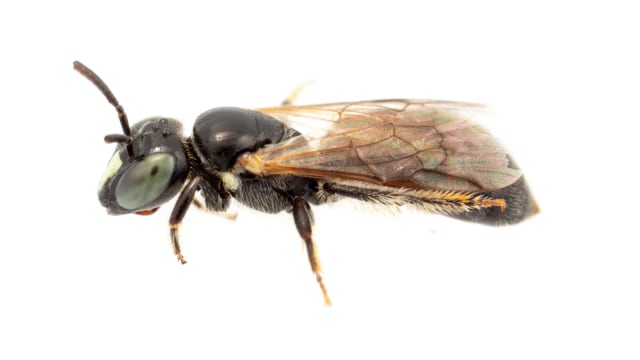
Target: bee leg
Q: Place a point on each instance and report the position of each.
(179, 211)
(303, 218)
(197, 203)
(289, 100)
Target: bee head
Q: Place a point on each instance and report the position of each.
(149, 165)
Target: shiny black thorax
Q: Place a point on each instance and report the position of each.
(222, 134)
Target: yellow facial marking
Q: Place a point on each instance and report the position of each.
(112, 168)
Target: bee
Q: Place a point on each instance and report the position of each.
(421, 153)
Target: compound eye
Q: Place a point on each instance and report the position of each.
(145, 181)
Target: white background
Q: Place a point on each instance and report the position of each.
(562, 78)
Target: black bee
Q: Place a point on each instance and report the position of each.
(421, 153)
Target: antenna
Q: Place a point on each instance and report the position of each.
(104, 89)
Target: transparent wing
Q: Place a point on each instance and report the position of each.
(422, 144)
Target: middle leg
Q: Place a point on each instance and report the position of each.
(303, 217)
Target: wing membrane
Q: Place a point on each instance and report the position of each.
(409, 143)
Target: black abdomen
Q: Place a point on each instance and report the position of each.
(520, 205)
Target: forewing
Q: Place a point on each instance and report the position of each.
(416, 144)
